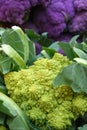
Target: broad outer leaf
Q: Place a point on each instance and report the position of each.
(84, 46)
(3, 89)
(73, 75)
(14, 55)
(67, 49)
(16, 119)
(24, 39)
(84, 127)
(5, 64)
(41, 39)
(32, 35)
(18, 40)
(2, 118)
(80, 53)
(49, 51)
(73, 40)
(2, 30)
(32, 53)
(81, 61)
(54, 46)
(11, 38)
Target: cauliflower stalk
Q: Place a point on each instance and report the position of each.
(46, 106)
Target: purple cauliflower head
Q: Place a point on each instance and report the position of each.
(80, 5)
(44, 25)
(44, 3)
(54, 18)
(14, 11)
(79, 23)
(58, 11)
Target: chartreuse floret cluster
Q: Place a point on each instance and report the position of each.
(2, 127)
(46, 106)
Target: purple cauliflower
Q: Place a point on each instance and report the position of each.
(44, 3)
(65, 37)
(44, 25)
(15, 11)
(54, 18)
(80, 5)
(78, 23)
(57, 17)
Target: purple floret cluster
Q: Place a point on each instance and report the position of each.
(54, 18)
(79, 21)
(62, 19)
(14, 11)
(57, 17)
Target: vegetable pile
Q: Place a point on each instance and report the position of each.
(45, 91)
(33, 91)
(61, 19)
(45, 105)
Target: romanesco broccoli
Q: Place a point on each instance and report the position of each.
(32, 89)
(2, 127)
(80, 104)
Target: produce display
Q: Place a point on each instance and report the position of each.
(43, 65)
(45, 91)
(32, 89)
(61, 19)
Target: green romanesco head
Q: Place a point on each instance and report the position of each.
(60, 117)
(32, 89)
(2, 127)
(80, 104)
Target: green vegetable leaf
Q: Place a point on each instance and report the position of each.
(54, 46)
(84, 127)
(73, 41)
(73, 75)
(81, 61)
(84, 45)
(3, 89)
(18, 40)
(24, 39)
(5, 64)
(67, 49)
(2, 118)
(2, 30)
(32, 35)
(14, 55)
(16, 118)
(44, 40)
(48, 52)
(45, 54)
(41, 39)
(32, 52)
(17, 123)
(10, 37)
(80, 53)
